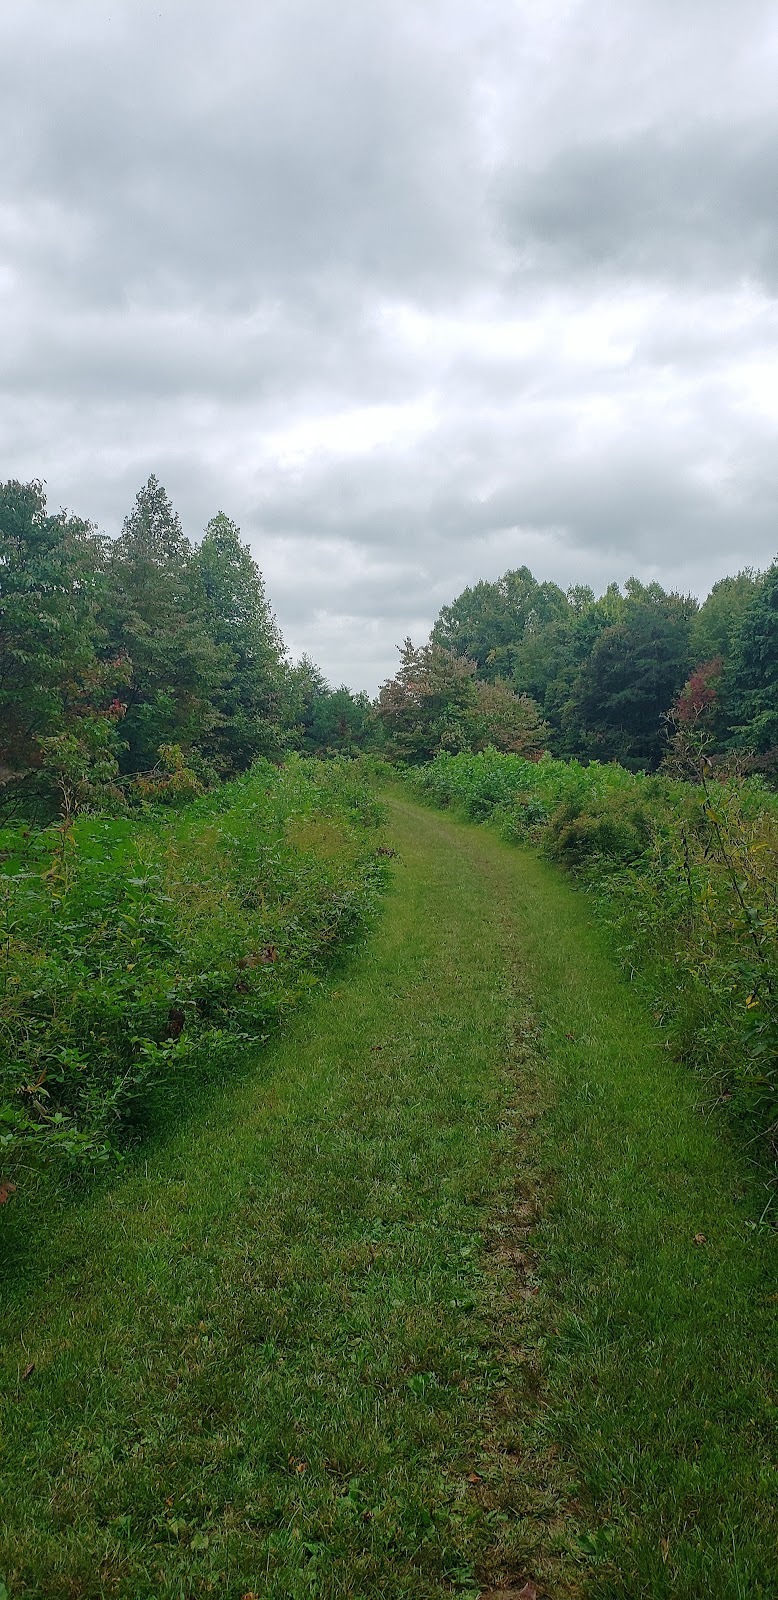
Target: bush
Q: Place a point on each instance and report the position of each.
(139, 951)
(614, 825)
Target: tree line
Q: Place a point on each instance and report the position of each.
(593, 678)
(147, 654)
(157, 661)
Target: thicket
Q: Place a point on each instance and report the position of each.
(684, 864)
(139, 953)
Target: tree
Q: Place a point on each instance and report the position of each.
(715, 627)
(489, 623)
(326, 721)
(425, 708)
(230, 595)
(636, 667)
(696, 705)
(752, 681)
(49, 584)
(436, 704)
(507, 721)
(153, 617)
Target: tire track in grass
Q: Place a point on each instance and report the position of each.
(658, 1339)
(297, 1351)
(264, 1358)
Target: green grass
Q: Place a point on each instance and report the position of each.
(661, 1362)
(316, 1342)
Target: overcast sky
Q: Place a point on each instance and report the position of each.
(414, 290)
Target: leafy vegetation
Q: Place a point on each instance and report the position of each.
(112, 651)
(437, 703)
(117, 649)
(455, 1292)
(686, 867)
(590, 678)
(137, 951)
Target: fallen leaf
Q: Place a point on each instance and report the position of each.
(529, 1592)
(699, 1238)
(6, 1190)
(474, 1477)
(28, 1371)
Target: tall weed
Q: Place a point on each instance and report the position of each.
(687, 871)
(136, 952)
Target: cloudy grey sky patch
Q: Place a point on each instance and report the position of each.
(415, 290)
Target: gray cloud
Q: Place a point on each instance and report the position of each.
(413, 291)
(698, 206)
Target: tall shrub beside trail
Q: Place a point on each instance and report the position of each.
(138, 953)
(686, 869)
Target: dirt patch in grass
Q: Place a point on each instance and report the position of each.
(527, 1491)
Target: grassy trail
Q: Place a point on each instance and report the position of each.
(315, 1343)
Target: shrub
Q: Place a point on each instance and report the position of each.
(140, 951)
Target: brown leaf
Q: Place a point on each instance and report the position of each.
(28, 1371)
(529, 1592)
(259, 958)
(699, 1238)
(474, 1477)
(6, 1190)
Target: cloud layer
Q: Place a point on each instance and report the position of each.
(414, 291)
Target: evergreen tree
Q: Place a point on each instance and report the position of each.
(238, 621)
(153, 618)
(49, 580)
(326, 721)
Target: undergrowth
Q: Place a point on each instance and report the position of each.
(140, 952)
(686, 871)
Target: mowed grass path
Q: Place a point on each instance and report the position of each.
(308, 1346)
